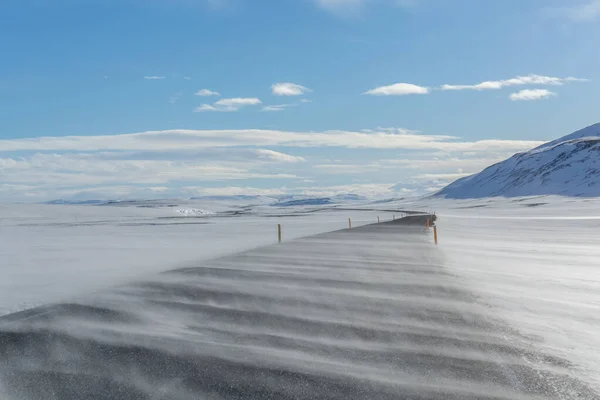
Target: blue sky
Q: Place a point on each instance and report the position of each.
(160, 98)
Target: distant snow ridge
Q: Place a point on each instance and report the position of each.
(300, 200)
(569, 166)
(305, 202)
(193, 212)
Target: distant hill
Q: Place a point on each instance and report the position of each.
(301, 200)
(305, 202)
(77, 202)
(569, 166)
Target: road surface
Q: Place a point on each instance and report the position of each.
(367, 313)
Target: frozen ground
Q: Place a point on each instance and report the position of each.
(533, 262)
(367, 313)
(537, 262)
(52, 252)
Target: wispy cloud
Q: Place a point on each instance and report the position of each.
(211, 108)
(424, 166)
(277, 107)
(174, 98)
(155, 78)
(583, 11)
(366, 189)
(532, 94)
(398, 89)
(206, 93)
(228, 105)
(349, 8)
(448, 176)
(238, 102)
(163, 161)
(236, 191)
(289, 89)
(519, 80)
(203, 139)
(115, 168)
(341, 6)
(278, 156)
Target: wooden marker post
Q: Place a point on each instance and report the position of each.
(394, 217)
(435, 234)
(378, 221)
(349, 223)
(427, 223)
(279, 232)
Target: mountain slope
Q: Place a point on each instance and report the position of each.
(569, 166)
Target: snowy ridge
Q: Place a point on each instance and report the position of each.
(590, 131)
(569, 166)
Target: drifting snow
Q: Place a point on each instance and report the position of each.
(50, 253)
(532, 262)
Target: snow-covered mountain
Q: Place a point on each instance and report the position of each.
(569, 166)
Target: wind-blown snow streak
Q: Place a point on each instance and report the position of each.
(367, 313)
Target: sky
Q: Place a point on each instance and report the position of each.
(121, 99)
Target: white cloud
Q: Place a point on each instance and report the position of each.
(364, 189)
(448, 176)
(228, 105)
(238, 102)
(369, 189)
(234, 104)
(235, 191)
(278, 156)
(289, 89)
(207, 92)
(203, 139)
(187, 78)
(60, 170)
(532, 94)
(348, 169)
(519, 80)
(471, 163)
(173, 158)
(277, 107)
(155, 78)
(77, 165)
(398, 89)
(209, 108)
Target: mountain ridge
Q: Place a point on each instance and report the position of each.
(568, 166)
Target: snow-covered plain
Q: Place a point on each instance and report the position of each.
(49, 253)
(534, 261)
